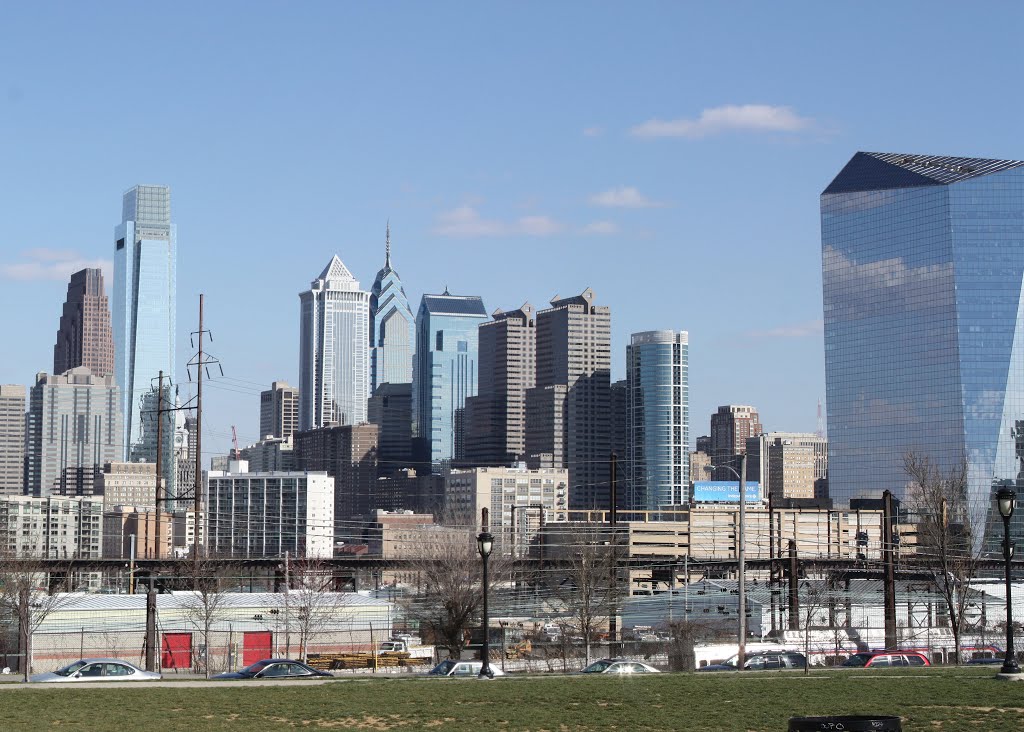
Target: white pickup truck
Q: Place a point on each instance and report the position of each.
(397, 645)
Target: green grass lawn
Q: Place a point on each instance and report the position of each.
(951, 700)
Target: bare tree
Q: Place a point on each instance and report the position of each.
(948, 545)
(29, 593)
(588, 588)
(450, 594)
(318, 606)
(207, 606)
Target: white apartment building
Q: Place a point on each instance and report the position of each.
(55, 527)
(268, 514)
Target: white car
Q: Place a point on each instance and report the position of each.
(97, 669)
(465, 669)
(619, 666)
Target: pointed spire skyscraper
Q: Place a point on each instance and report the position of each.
(392, 326)
(333, 368)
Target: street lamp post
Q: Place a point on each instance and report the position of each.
(484, 543)
(741, 572)
(1006, 497)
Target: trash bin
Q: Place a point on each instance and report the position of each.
(851, 723)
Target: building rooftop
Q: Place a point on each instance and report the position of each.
(871, 171)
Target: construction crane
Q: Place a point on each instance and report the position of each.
(234, 440)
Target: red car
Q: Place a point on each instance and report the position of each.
(886, 659)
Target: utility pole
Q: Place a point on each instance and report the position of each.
(198, 498)
(741, 554)
(159, 462)
(890, 572)
(794, 588)
(772, 573)
(151, 629)
(613, 621)
(201, 361)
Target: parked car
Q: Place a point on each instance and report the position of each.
(885, 659)
(619, 666)
(762, 661)
(276, 668)
(985, 661)
(97, 669)
(451, 667)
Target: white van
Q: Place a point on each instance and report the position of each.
(465, 669)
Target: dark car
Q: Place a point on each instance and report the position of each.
(886, 659)
(276, 668)
(762, 661)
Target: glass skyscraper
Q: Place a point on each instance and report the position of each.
(657, 373)
(922, 266)
(445, 374)
(145, 262)
(392, 327)
(333, 350)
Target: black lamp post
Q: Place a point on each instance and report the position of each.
(1007, 499)
(484, 543)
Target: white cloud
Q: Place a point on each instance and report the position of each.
(728, 118)
(466, 221)
(538, 225)
(623, 197)
(796, 330)
(51, 264)
(600, 228)
(593, 131)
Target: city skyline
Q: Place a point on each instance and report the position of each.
(655, 165)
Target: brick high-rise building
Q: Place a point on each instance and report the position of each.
(496, 417)
(731, 425)
(569, 410)
(12, 439)
(85, 337)
(279, 411)
(348, 453)
(788, 464)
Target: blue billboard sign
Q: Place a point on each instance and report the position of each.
(724, 491)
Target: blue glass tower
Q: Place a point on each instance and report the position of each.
(143, 299)
(392, 327)
(922, 266)
(445, 374)
(657, 373)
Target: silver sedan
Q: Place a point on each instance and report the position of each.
(97, 669)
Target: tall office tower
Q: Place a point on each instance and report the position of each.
(731, 425)
(333, 351)
(85, 337)
(444, 375)
(657, 369)
(390, 408)
(496, 416)
(788, 464)
(279, 411)
(569, 411)
(392, 327)
(619, 421)
(74, 428)
(924, 335)
(145, 258)
(12, 439)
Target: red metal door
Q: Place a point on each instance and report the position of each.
(256, 645)
(177, 651)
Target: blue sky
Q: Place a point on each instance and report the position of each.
(668, 155)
